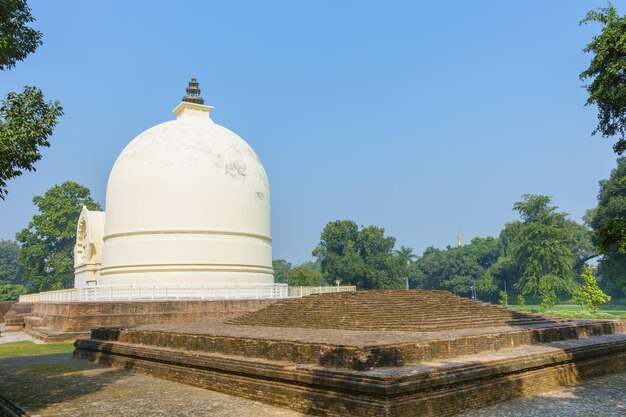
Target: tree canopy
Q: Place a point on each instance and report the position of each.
(608, 221)
(26, 119)
(26, 122)
(17, 39)
(11, 270)
(607, 72)
(358, 256)
(47, 251)
(543, 247)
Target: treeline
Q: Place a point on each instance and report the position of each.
(540, 255)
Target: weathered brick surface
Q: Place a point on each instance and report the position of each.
(415, 310)
(249, 342)
(5, 306)
(433, 389)
(67, 321)
(387, 365)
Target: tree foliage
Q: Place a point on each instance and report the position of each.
(26, 119)
(543, 247)
(26, 122)
(48, 241)
(589, 295)
(608, 221)
(458, 269)
(362, 257)
(281, 270)
(12, 291)
(607, 71)
(11, 270)
(17, 39)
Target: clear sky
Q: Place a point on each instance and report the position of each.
(419, 117)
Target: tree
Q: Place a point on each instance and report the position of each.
(608, 222)
(11, 291)
(11, 270)
(543, 247)
(607, 72)
(589, 295)
(26, 122)
(26, 119)
(281, 270)
(486, 285)
(17, 40)
(48, 241)
(458, 269)
(358, 257)
(405, 257)
(307, 274)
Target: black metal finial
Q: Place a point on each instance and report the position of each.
(193, 93)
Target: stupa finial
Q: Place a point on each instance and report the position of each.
(193, 92)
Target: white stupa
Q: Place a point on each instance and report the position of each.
(187, 202)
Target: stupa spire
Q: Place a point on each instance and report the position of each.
(193, 92)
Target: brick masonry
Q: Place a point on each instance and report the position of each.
(338, 371)
(67, 321)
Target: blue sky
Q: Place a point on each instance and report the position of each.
(419, 117)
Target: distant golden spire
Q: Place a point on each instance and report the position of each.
(459, 243)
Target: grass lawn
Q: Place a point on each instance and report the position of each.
(28, 348)
(575, 311)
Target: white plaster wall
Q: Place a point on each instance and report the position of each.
(187, 202)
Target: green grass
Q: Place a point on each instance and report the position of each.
(574, 311)
(28, 348)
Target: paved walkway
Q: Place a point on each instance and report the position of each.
(7, 337)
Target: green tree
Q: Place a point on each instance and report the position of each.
(504, 298)
(606, 71)
(281, 271)
(307, 274)
(608, 222)
(26, 119)
(405, 257)
(589, 295)
(362, 257)
(11, 270)
(458, 269)
(17, 40)
(486, 285)
(543, 247)
(26, 122)
(11, 291)
(48, 241)
(521, 301)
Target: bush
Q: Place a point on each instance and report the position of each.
(11, 291)
(520, 300)
(589, 295)
(504, 298)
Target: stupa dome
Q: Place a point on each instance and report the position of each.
(187, 202)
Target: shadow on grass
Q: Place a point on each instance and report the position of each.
(35, 382)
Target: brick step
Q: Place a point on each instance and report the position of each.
(411, 310)
(351, 357)
(48, 334)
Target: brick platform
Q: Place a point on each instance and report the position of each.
(68, 321)
(336, 371)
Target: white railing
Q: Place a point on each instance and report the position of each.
(149, 292)
(304, 291)
(71, 294)
(160, 292)
(183, 292)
